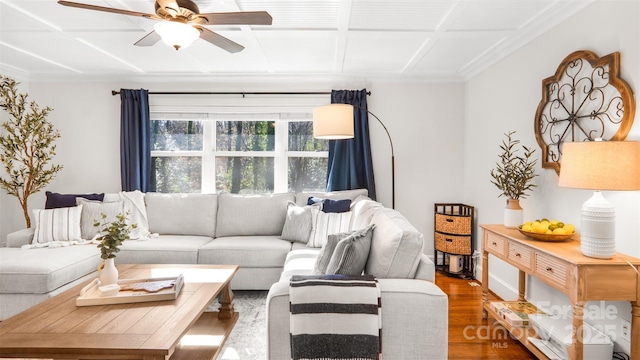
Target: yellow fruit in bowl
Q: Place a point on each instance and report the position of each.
(559, 231)
(527, 228)
(569, 229)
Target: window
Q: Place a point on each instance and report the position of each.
(237, 153)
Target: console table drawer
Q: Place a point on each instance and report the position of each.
(453, 224)
(453, 244)
(494, 243)
(552, 269)
(520, 255)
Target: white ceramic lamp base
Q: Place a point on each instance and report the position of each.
(598, 228)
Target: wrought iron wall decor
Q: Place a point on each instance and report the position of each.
(585, 99)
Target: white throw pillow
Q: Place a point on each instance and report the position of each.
(62, 224)
(92, 211)
(325, 224)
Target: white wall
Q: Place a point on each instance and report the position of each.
(425, 122)
(505, 97)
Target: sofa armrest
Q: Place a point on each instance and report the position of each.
(20, 237)
(414, 320)
(426, 269)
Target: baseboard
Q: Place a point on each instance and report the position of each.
(501, 288)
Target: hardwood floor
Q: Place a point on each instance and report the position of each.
(470, 336)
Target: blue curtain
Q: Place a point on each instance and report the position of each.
(135, 140)
(350, 165)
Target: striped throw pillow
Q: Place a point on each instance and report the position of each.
(62, 224)
(325, 224)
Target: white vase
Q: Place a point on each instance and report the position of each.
(109, 273)
(513, 214)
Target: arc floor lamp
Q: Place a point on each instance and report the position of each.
(335, 122)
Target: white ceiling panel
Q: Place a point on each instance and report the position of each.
(449, 55)
(364, 48)
(430, 39)
(399, 15)
(300, 52)
(497, 15)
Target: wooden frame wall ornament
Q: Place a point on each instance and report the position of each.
(584, 100)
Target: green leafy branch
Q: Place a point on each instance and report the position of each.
(113, 234)
(513, 175)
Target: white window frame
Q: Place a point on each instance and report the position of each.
(280, 154)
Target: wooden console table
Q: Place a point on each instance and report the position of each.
(562, 266)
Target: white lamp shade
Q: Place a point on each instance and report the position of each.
(601, 165)
(176, 34)
(333, 121)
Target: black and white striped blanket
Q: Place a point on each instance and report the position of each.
(335, 317)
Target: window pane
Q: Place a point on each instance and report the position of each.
(246, 175)
(174, 135)
(176, 174)
(307, 174)
(301, 137)
(245, 135)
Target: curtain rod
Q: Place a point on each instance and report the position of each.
(114, 93)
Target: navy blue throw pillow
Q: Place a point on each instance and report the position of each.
(330, 205)
(55, 200)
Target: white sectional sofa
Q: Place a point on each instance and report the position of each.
(246, 230)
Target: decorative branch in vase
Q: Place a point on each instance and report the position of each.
(112, 235)
(513, 176)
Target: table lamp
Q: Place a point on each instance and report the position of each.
(599, 165)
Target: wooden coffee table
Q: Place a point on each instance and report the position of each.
(170, 329)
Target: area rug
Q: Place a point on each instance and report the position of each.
(248, 339)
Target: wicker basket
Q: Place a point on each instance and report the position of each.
(453, 224)
(453, 244)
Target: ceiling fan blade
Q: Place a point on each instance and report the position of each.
(238, 18)
(219, 40)
(148, 40)
(106, 9)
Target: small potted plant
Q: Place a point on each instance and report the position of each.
(112, 234)
(513, 176)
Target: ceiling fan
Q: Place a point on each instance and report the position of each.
(180, 23)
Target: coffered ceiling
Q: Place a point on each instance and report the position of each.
(421, 40)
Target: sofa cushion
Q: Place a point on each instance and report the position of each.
(249, 251)
(164, 249)
(303, 197)
(182, 214)
(299, 262)
(249, 215)
(396, 246)
(325, 224)
(363, 212)
(39, 271)
(351, 253)
(60, 224)
(55, 200)
(297, 225)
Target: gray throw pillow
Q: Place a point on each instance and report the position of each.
(92, 211)
(351, 253)
(297, 224)
(327, 250)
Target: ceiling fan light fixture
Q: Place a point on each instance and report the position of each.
(176, 34)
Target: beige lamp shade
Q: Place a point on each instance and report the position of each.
(334, 121)
(601, 165)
